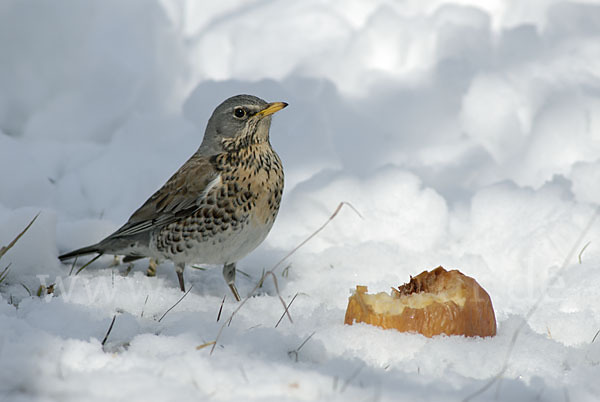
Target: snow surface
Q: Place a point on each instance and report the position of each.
(466, 133)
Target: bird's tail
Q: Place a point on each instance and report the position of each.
(82, 251)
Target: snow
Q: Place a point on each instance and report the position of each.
(463, 133)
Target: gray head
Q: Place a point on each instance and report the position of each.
(243, 117)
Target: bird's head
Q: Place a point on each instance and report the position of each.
(239, 121)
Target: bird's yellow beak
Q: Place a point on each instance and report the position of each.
(272, 108)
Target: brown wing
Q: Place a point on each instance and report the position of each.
(179, 197)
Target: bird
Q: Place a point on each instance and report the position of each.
(218, 206)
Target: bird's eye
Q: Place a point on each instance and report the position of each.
(239, 112)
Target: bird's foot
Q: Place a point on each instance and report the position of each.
(235, 292)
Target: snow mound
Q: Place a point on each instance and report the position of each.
(458, 133)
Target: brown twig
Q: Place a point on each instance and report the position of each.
(26, 288)
(4, 250)
(73, 265)
(205, 345)
(178, 301)
(297, 350)
(247, 275)
(595, 336)
(144, 306)
(277, 265)
(109, 329)
(4, 273)
(276, 284)
(221, 308)
(84, 266)
(288, 306)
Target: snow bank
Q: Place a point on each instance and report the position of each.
(464, 133)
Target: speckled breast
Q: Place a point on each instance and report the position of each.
(234, 216)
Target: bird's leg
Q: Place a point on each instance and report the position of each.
(179, 269)
(229, 275)
(152, 264)
(116, 261)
